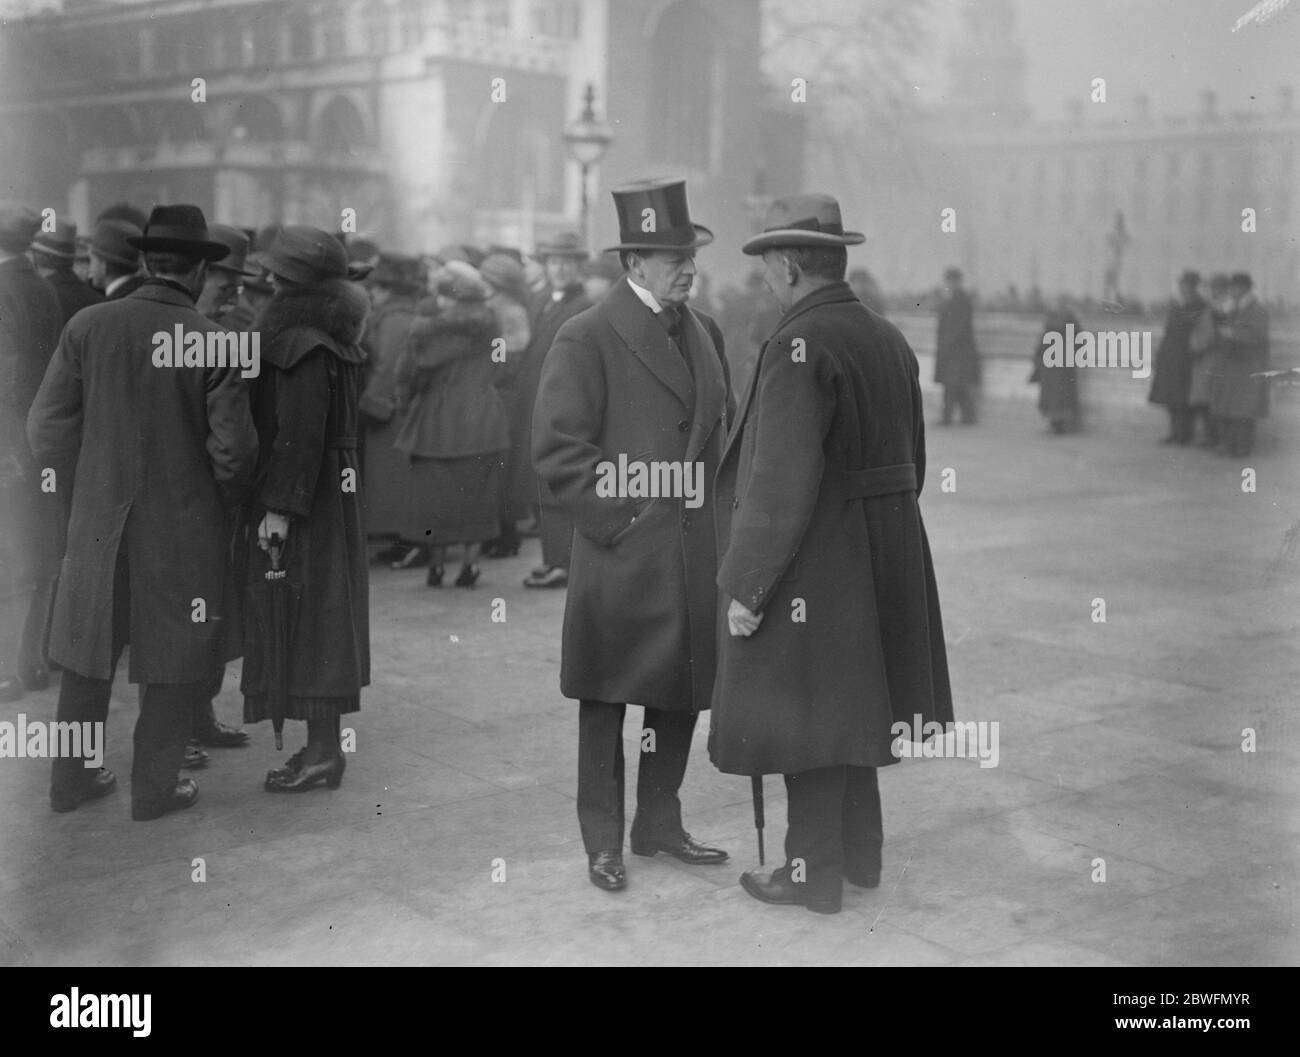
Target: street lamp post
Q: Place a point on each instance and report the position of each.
(587, 140)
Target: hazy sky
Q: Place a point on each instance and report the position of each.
(1170, 49)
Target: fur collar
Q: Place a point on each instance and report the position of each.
(335, 307)
(463, 317)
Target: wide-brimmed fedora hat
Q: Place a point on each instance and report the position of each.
(653, 215)
(305, 254)
(112, 243)
(802, 220)
(179, 229)
(60, 243)
(18, 225)
(237, 242)
(565, 244)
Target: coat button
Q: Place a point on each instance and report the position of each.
(686, 522)
(735, 503)
(683, 425)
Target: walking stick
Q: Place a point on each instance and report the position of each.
(757, 782)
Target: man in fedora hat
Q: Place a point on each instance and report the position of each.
(220, 297)
(30, 321)
(55, 254)
(830, 625)
(638, 380)
(563, 298)
(168, 450)
(114, 262)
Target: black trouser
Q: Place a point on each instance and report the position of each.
(1182, 424)
(834, 825)
(556, 530)
(205, 716)
(1209, 425)
(659, 777)
(166, 715)
(962, 397)
(1238, 435)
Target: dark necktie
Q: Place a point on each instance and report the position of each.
(670, 318)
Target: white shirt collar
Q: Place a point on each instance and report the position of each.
(108, 290)
(647, 298)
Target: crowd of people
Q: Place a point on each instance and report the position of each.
(204, 506)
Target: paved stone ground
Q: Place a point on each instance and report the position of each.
(1119, 741)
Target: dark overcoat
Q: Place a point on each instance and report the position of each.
(641, 607)
(385, 467)
(162, 454)
(821, 533)
(73, 294)
(522, 488)
(1172, 381)
(956, 359)
(31, 521)
(1058, 393)
(305, 407)
(1245, 353)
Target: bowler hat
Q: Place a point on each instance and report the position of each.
(17, 226)
(237, 242)
(1190, 277)
(653, 215)
(111, 243)
(1241, 279)
(60, 243)
(179, 229)
(802, 220)
(565, 244)
(304, 254)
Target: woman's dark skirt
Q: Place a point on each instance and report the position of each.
(383, 485)
(453, 500)
(256, 710)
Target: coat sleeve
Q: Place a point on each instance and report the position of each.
(302, 403)
(54, 420)
(232, 438)
(568, 418)
(790, 415)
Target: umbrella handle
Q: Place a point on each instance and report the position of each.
(275, 548)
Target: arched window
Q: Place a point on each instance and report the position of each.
(341, 128)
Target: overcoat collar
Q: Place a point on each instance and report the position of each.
(646, 337)
(163, 294)
(831, 293)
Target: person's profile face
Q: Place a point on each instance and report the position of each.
(668, 275)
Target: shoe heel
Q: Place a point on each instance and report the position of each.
(336, 776)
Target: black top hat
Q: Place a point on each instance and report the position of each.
(111, 242)
(653, 215)
(179, 229)
(802, 220)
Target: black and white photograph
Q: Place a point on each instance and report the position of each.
(701, 483)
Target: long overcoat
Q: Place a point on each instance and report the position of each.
(522, 488)
(821, 533)
(1245, 353)
(956, 358)
(305, 407)
(1172, 380)
(385, 468)
(641, 607)
(162, 454)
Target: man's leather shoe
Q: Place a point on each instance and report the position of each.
(552, 577)
(35, 677)
(100, 783)
(219, 736)
(777, 888)
(862, 878)
(683, 847)
(605, 868)
(194, 757)
(183, 796)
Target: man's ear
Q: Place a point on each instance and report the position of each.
(790, 269)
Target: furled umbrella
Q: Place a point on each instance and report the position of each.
(757, 782)
(273, 609)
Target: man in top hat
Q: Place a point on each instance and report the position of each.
(956, 359)
(114, 262)
(830, 628)
(169, 450)
(1171, 382)
(55, 253)
(564, 297)
(30, 321)
(631, 386)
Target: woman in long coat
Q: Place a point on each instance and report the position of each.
(454, 425)
(305, 409)
(1058, 394)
